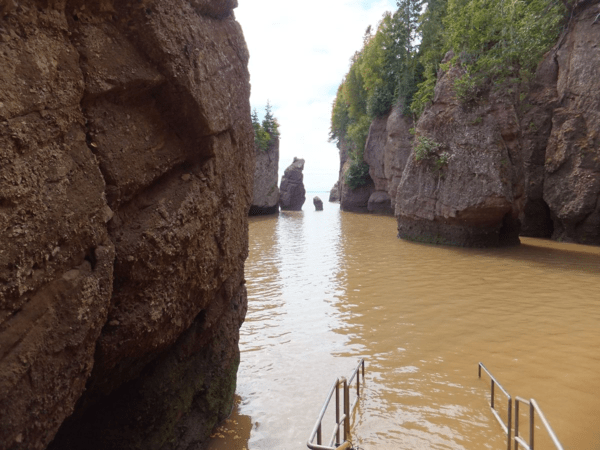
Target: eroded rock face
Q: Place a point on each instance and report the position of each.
(536, 125)
(388, 147)
(572, 166)
(473, 198)
(374, 154)
(355, 200)
(292, 193)
(334, 194)
(126, 154)
(266, 193)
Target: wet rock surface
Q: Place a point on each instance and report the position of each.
(125, 179)
(292, 194)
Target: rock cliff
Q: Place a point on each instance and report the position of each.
(478, 173)
(292, 192)
(126, 154)
(467, 189)
(561, 139)
(266, 175)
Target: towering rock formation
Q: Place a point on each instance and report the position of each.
(467, 188)
(266, 175)
(388, 147)
(353, 200)
(474, 172)
(561, 137)
(126, 161)
(292, 192)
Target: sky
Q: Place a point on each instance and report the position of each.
(299, 54)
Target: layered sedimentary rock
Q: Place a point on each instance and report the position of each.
(561, 135)
(497, 164)
(468, 190)
(292, 193)
(266, 175)
(374, 155)
(388, 147)
(126, 154)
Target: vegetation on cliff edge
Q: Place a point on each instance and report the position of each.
(497, 43)
(267, 131)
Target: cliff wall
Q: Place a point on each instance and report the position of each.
(126, 161)
(468, 190)
(480, 172)
(561, 139)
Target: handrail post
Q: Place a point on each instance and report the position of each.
(531, 424)
(319, 435)
(346, 410)
(509, 421)
(516, 422)
(337, 411)
(492, 398)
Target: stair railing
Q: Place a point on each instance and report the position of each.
(505, 426)
(533, 409)
(342, 416)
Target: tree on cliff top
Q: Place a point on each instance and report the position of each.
(270, 123)
(266, 132)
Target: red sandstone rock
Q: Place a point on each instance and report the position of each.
(126, 161)
(474, 199)
(266, 175)
(292, 192)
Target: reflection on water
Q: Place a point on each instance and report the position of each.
(326, 288)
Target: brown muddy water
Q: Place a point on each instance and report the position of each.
(327, 288)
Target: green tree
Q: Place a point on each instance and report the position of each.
(269, 123)
(267, 131)
(431, 52)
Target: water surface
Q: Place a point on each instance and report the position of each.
(327, 288)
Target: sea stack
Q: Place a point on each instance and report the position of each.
(292, 194)
(318, 203)
(266, 193)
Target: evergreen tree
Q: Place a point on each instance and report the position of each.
(267, 131)
(270, 123)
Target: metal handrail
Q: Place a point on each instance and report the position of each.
(344, 418)
(505, 426)
(533, 408)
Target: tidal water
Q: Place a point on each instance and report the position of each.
(327, 288)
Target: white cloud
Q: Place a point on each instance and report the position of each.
(299, 53)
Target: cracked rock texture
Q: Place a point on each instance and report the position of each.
(265, 199)
(126, 170)
(292, 194)
(473, 199)
(561, 135)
